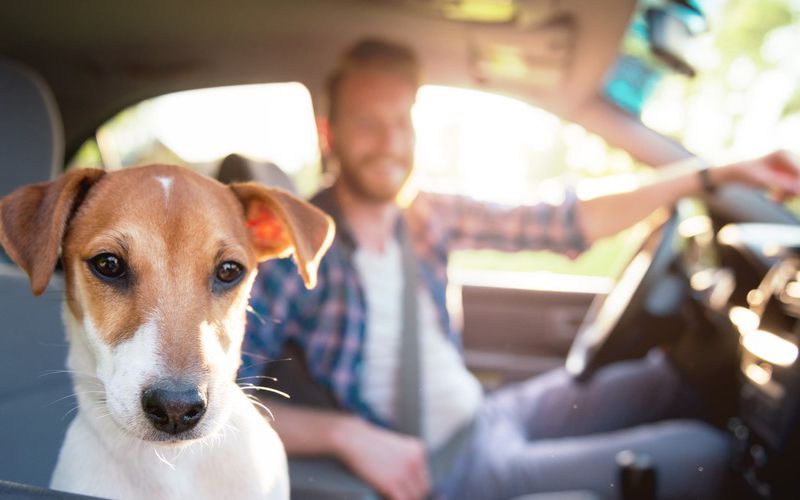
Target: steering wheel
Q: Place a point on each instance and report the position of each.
(615, 326)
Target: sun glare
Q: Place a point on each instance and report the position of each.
(272, 122)
(475, 143)
(479, 144)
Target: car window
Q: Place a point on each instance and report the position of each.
(198, 128)
(475, 143)
(504, 150)
(745, 97)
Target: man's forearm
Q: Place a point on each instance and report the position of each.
(606, 210)
(309, 431)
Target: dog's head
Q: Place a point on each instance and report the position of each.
(158, 264)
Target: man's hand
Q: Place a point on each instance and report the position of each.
(602, 215)
(777, 172)
(394, 464)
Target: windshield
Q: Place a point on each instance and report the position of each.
(744, 99)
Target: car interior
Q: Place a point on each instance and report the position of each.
(715, 281)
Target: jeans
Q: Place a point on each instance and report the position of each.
(551, 433)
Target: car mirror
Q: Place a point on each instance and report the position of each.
(671, 31)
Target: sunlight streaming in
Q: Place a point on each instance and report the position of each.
(272, 122)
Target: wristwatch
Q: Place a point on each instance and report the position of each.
(705, 180)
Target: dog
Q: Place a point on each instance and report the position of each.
(158, 264)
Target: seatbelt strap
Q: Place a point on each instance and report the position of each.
(409, 390)
(443, 461)
(409, 378)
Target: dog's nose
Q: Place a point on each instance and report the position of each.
(174, 409)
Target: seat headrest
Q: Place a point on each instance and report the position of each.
(31, 133)
(237, 168)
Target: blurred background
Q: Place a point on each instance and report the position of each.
(739, 98)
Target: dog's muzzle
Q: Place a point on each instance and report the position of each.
(174, 407)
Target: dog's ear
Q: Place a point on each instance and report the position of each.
(33, 220)
(281, 224)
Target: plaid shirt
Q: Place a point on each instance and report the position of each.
(329, 322)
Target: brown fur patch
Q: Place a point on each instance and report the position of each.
(304, 230)
(172, 246)
(33, 219)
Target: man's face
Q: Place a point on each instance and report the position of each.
(372, 135)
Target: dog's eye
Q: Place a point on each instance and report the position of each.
(108, 265)
(228, 272)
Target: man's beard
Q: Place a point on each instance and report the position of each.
(351, 176)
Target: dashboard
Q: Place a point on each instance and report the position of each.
(766, 318)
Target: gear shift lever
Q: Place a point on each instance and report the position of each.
(637, 476)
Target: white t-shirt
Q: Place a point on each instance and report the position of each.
(451, 394)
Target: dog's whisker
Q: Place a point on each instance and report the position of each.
(203, 444)
(181, 452)
(229, 425)
(72, 372)
(258, 403)
(100, 404)
(70, 411)
(163, 459)
(251, 387)
(264, 359)
(261, 318)
(82, 376)
(274, 379)
(74, 395)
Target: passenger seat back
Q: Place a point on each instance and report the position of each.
(237, 168)
(34, 405)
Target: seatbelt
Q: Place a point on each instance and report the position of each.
(409, 389)
(409, 383)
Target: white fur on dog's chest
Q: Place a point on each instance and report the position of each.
(245, 461)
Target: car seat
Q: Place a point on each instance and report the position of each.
(237, 168)
(35, 407)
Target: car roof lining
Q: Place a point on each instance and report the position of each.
(100, 57)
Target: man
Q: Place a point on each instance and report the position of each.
(546, 434)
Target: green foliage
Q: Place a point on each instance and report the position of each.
(745, 24)
(87, 156)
